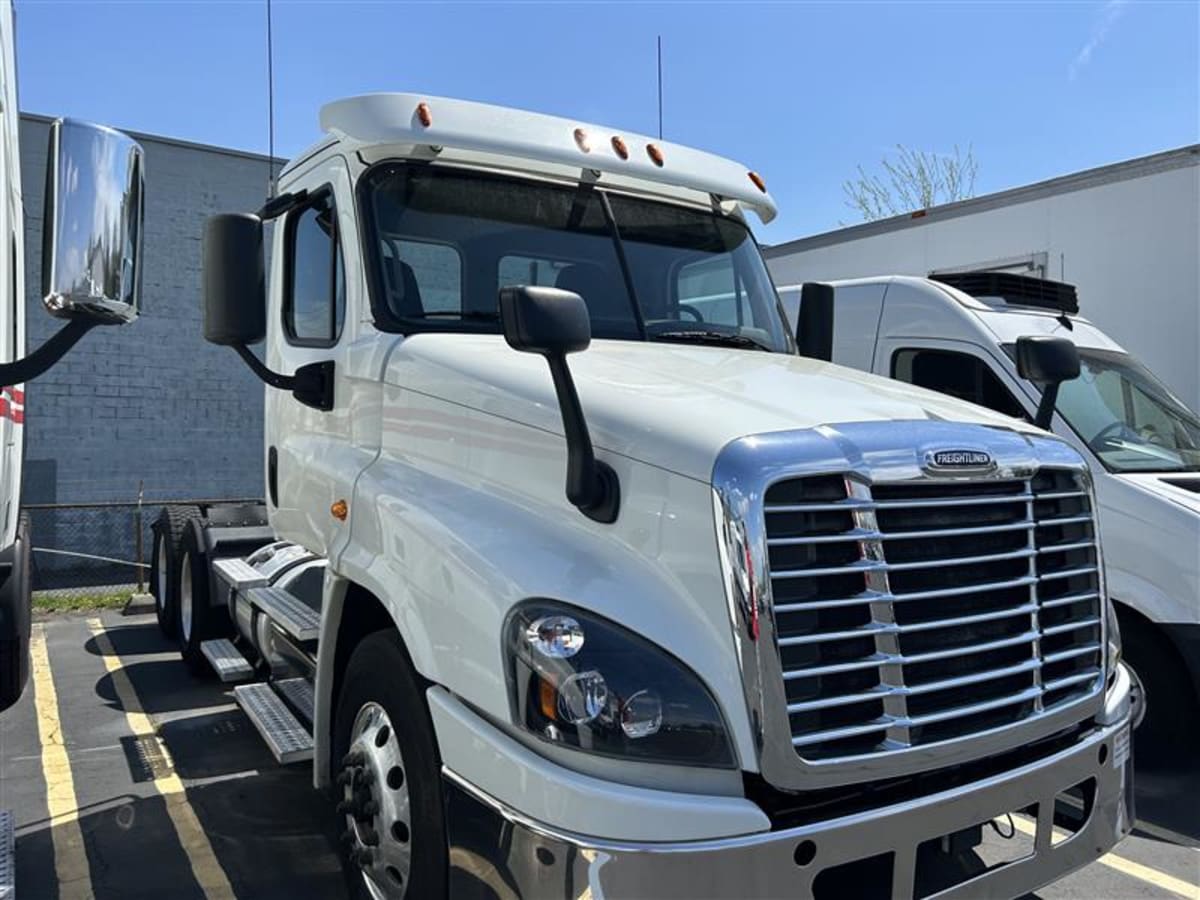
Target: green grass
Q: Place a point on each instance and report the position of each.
(46, 602)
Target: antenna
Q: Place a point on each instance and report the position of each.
(660, 85)
(270, 108)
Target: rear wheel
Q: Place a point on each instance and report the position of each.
(199, 621)
(389, 783)
(164, 565)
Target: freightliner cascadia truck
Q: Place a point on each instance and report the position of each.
(574, 580)
(91, 273)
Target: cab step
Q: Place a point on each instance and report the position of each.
(288, 740)
(289, 613)
(226, 660)
(8, 862)
(238, 574)
(298, 693)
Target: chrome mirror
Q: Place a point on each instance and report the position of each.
(92, 236)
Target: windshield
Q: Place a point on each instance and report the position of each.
(443, 241)
(1128, 417)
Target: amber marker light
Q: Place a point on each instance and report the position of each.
(619, 147)
(339, 510)
(582, 141)
(758, 182)
(656, 155)
(424, 116)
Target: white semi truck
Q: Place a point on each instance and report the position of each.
(686, 615)
(957, 334)
(91, 275)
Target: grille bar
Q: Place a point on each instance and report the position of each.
(925, 611)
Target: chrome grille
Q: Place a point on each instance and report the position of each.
(918, 612)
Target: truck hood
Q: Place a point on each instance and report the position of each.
(668, 405)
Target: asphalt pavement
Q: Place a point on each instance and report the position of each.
(128, 778)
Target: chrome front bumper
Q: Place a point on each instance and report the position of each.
(497, 852)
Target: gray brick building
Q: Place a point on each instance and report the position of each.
(149, 401)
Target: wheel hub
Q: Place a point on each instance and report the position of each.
(375, 803)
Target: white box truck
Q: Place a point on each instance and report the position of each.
(1126, 235)
(958, 334)
(686, 615)
(91, 275)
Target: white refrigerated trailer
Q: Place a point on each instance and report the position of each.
(1126, 235)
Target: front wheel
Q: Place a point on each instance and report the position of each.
(389, 781)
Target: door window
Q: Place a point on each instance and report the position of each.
(315, 295)
(960, 375)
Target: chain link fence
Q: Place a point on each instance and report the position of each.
(83, 551)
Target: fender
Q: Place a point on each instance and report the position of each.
(449, 570)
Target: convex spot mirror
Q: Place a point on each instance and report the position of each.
(92, 237)
(1047, 361)
(1044, 359)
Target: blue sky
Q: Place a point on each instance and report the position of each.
(801, 92)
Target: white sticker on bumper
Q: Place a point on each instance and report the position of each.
(1121, 747)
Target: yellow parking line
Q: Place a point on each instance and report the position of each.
(1126, 866)
(195, 843)
(70, 856)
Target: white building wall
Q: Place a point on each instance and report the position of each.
(1132, 247)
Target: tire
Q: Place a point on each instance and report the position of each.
(1171, 727)
(164, 565)
(16, 616)
(408, 746)
(199, 621)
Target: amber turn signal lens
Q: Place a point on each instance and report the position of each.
(619, 147)
(758, 182)
(424, 116)
(547, 699)
(655, 154)
(581, 140)
(339, 510)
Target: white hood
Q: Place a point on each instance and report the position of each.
(668, 405)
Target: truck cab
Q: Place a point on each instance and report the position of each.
(956, 335)
(582, 580)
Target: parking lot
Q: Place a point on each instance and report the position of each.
(129, 778)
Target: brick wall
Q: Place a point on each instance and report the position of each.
(149, 401)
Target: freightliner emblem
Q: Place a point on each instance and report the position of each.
(957, 459)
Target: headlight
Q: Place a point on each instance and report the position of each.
(1113, 656)
(584, 682)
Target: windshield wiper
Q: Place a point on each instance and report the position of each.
(463, 314)
(705, 336)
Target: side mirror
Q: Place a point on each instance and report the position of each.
(235, 295)
(92, 237)
(1047, 361)
(235, 305)
(553, 323)
(814, 321)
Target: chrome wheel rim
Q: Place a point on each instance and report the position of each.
(160, 595)
(376, 805)
(185, 597)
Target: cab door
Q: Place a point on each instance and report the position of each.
(317, 293)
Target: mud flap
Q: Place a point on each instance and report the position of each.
(15, 616)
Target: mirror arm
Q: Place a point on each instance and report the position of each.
(312, 384)
(592, 484)
(45, 356)
(1045, 410)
